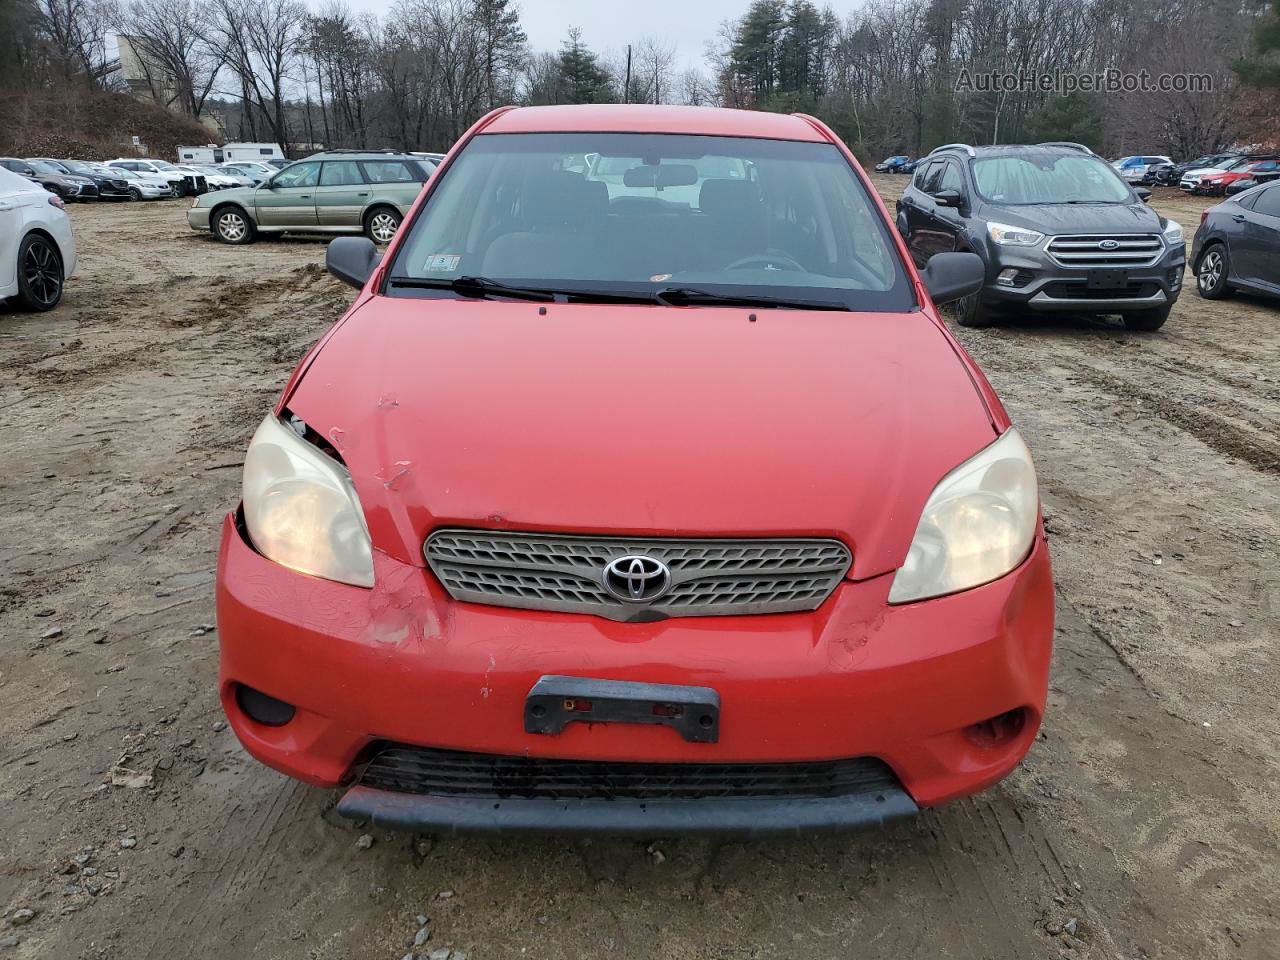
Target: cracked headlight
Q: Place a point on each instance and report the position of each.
(301, 508)
(977, 525)
(1008, 236)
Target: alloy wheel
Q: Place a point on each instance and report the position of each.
(383, 227)
(231, 227)
(1210, 271)
(42, 272)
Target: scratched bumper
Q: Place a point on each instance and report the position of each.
(855, 678)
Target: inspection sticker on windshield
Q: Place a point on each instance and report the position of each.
(442, 262)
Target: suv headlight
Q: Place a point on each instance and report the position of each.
(301, 508)
(1009, 236)
(1173, 233)
(977, 525)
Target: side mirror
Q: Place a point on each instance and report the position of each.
(352, 259)
(1143, 193)
(948, 198)
(952, 276)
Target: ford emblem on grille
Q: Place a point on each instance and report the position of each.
(1108, 244)
(637, 579)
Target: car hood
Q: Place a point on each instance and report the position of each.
(1060, 218)
(241, 194)
(1203, 171)
(646, 421)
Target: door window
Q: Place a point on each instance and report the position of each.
(298, 175)
(922, 174)
(950, 179)
(934, 182)
(340, 173)
(1268, 202)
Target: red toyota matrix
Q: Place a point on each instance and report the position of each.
(642, 489)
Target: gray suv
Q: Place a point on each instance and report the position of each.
(1057, 228)
(340, 191)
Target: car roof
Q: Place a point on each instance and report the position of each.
(647, 118)
(352, 155)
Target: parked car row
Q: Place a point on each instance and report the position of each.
(137, 178)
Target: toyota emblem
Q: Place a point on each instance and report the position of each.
(637, 579)
(1108, 244)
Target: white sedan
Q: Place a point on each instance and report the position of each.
(37, 249)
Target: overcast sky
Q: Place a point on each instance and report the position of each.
(612, 24)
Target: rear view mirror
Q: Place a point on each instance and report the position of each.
(1143, 193)
(948, 198)
(352, 260)
(663, 175)
(952, 276)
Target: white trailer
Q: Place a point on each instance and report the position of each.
(212, 153)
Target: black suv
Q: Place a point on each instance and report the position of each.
(1056, 226)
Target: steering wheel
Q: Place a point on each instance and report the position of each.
(764, 261)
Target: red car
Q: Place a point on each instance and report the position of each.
(1216, 184)
(642, 489)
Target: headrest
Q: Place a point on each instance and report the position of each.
(728, 196)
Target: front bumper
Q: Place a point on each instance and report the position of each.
(198, 218)
(405, 663)
(1046, 285)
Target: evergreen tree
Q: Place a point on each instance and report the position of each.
(502, 41)
(1263, 70)
(582, 79)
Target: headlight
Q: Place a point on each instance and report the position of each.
(1009, 236)
(301, 508)
(977, 525)
(1173, 233)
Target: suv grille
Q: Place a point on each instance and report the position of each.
(1091, 250)
(566, 573)
(447, 773)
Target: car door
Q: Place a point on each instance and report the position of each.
(289, 198)
(1258, 244)
(939, 224)
(341, 195)
(913, 218)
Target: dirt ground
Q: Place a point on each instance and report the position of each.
(1144, 823)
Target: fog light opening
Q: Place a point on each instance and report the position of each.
(1005, 277)
(999, 730)
(263, 709)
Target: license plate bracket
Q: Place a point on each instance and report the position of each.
(554, 702)
(1106, 278)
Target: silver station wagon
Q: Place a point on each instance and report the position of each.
(332, 192)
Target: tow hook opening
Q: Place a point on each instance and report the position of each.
(263, 709)
(999, 730)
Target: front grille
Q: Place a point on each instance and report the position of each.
(566, 573)
(1089, 250)
(447, 773)
(1078, 290)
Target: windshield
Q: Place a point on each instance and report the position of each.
(640, 213)
(1048, 178)
(162, 165)
(45, 167)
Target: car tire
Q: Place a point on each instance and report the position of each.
(232, 225)
(1147, 319)
(1212, 271)
(970, 311)
(135, 193)
(40, 277)
(381, 224)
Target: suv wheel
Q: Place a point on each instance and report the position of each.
(1212, 272)
(135, 193)
(39, 273)
(1147, 319)
(381, 224)
(232, 225)
(970, 311)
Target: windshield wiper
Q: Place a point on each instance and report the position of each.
(483, 287)
(692, 297)
(474, 287)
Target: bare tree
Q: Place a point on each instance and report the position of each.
(169, 37)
